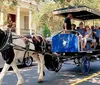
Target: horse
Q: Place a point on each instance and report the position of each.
(10, 44)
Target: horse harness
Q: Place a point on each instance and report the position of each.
(6, 48)
(6, 42)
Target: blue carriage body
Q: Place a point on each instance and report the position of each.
(65, 43)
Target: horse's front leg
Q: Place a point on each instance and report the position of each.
(37, 59)
(3, 72)
(40, 79)
(16, 70)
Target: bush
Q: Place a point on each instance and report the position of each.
(45, 31)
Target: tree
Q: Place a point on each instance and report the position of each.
(7, 3)
(44, 14)
(45, 31)
(89, 3)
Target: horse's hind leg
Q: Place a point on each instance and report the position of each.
(16, 70)
(3, 72)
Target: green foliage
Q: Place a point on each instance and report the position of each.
(89, 3)
(4, 4)
(46, 31)
(44, 15)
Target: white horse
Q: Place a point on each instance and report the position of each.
(11, 54)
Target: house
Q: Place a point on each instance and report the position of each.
(21, 17)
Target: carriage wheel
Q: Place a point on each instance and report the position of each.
(77, 61)
(28, 61)
(84, 65)
(59, 65)
(52, 62)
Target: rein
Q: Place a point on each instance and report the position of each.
(20, 47)
(7, 42)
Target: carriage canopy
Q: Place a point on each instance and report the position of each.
(78, 12)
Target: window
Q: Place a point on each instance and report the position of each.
(26, 22)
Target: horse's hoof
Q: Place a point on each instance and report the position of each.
(20, 82)
(40, 81)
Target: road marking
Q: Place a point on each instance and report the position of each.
(85, 79)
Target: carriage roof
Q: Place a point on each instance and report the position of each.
(78, 12)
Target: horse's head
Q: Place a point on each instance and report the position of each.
(41, 44)
(26, 40)
(37, 41)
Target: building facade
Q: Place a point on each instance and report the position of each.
(20, 17)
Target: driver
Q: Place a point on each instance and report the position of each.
(67, 22)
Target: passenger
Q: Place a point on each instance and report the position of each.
(93, 30)
(87, 37)
(97, 33)
(81, 29)
(73, 26)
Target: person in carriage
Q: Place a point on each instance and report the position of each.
(80, 29)
(88, 38)
(97, 34)
(73, 26)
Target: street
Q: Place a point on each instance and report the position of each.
(59, 30)
(1, 61)
(68, 75)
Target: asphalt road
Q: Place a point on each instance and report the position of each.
(1, 61)
(68, 75)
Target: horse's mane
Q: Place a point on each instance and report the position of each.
(2, 35)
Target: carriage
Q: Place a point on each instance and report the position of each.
(67, 47)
